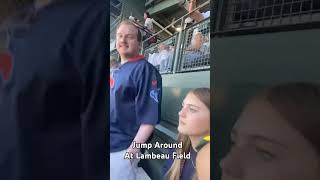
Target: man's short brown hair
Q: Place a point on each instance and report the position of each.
(128, 22)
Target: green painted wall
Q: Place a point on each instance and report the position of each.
(187, 80)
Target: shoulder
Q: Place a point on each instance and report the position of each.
(204, 152)
(203, 162)
(146, 67)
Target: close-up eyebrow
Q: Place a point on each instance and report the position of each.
(193, 106)
(256, 137)
(126, 34)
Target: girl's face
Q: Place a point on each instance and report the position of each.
(266, 147)
(194, 117)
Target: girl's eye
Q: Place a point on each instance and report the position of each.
(264, 154)
(192, 110)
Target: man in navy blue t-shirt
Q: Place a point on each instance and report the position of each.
(135, 99)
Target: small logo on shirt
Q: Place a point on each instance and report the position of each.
(154, 83)
(154, 94)
(6, 65)
(111, 82)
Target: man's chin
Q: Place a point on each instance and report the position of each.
(128, 55)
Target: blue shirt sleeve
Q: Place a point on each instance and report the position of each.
(149, 93)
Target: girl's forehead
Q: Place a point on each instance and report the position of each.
(193, 100)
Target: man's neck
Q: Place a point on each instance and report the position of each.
(125, 59)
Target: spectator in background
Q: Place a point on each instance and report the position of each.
(166, 58)
(148, 21)
(152, 57)
(114, 64)
(197, 50)
(162, 59)
(277, 136)
(134, 19)
(188, 22)
(197, 16)
(198, 43)
(148, 31)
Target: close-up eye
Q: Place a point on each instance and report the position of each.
(264, 154)
(192, 110)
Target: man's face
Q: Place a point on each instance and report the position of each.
(127, 42)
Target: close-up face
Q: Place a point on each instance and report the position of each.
(127, 44)
(194, 117)
(265, 146)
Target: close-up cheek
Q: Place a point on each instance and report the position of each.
(230, 166)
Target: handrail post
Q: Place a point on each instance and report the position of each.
(176, 59)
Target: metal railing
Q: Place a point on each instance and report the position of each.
(195, 53)
(249, 14)
(179, 21)
(115, 54)
(197, 57)
(161, 55)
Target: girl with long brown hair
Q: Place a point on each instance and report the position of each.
(194, 124)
